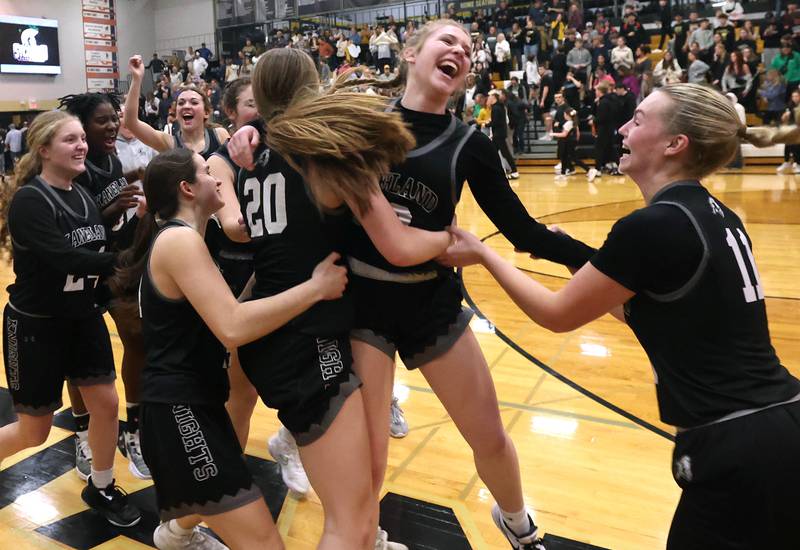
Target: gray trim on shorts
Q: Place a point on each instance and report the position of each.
(93, 380)
(315, 431)
(381, 343)
(443, 343)
(43, 410)
(212, 508)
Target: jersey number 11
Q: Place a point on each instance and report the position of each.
(751, 294)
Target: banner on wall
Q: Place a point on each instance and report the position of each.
(100, 45)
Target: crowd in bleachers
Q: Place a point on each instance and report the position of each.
(525, 55)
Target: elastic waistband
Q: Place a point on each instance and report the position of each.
(740, 414)
(363, 269)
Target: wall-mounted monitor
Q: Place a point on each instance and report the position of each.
(29, 45)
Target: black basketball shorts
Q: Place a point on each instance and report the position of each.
(740, 481)
(39, 353)
(195, 458)
(421, 321)
(306, 377)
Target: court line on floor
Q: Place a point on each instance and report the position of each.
(571, 383)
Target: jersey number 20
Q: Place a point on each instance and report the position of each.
(266, 207)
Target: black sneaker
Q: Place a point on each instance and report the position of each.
(111, 503)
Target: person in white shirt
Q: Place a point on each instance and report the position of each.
(199, 65)
(502, 55)
(622, 55)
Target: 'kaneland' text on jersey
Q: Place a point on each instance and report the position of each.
(86, 234)
(410, 189)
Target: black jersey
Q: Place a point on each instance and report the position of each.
(219, 244)
(211, 141)
(425, 188)
(105, 181)
(58, 239)
(705, 331)
(184, 361)
(290, 237)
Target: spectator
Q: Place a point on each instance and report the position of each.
(772, 32)
(13, 143)
(773, 91)
(704, 37)
(726, 31)
(680, 32)
(665, 17)
(516, 40)
(156, 67)
(199, 66)
(732, 9)
(787, 62)
(579, 60)
(502, 56)
(668, 70)
(205, 53)
(791, 153)
(532, 37)
(697, 72)
(249, 50)
(633, 32)
(622, 55)
(737, 78)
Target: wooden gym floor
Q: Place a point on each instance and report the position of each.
(580, 406)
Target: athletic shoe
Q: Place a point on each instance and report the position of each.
(592, 174)
(528, 541)
(111, 503)
(784, 168)
(165, 539)
(83, 458)
(568, 172)
(398, 427)
(286, 455)
(557, 168)
(513, 176)
(132, 449)
(382, 542)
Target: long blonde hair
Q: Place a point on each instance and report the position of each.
(710, 122)
(41, 132)
(349, 137)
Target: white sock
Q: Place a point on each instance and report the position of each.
(176, 529)
(287, 436)
(102, 478)
(517, 521)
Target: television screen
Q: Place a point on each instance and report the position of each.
(29, 45)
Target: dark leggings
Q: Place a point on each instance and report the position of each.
(501, 145)
(566, 153)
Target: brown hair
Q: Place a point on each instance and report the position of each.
(161, 181)
(40, 133)
(192, 88)
(230, 97)
(348, 136)
(710, 122)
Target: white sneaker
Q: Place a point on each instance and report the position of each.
(529, 541)
(83, 458)
(382, 542)
(568, 172)
(285, 453)
(557, 168)
(513, 176)
(784, 168)
(133, 450)
(398, 427)
(165, 539)
(592, 174)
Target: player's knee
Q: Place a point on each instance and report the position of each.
(106, 402)
(36, 433)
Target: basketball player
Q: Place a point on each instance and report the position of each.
(193, 109)
(116, 199)
(427, 325)
(189, 316)
(304, 370)
(53, 328)
(681, 273)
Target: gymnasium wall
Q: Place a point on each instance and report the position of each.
(135, 33)
(182, 23)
